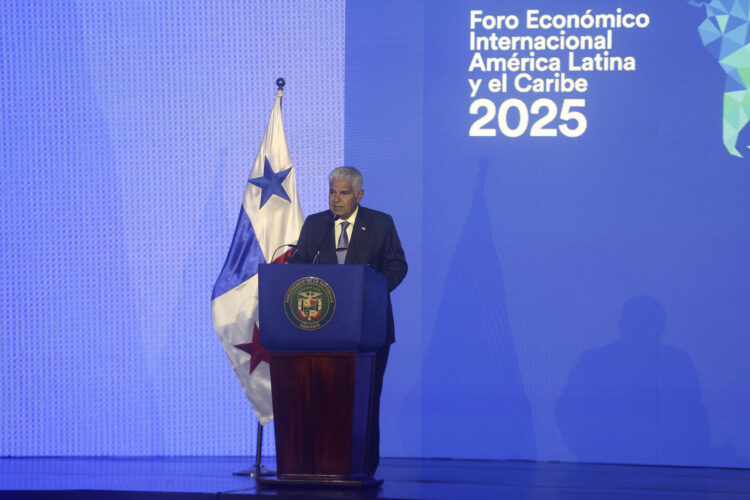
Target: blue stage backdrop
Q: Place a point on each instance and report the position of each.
(128, 133)
(565, 180)
(569, 179)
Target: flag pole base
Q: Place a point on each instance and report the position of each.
(255, 471)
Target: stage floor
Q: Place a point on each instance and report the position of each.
(211, 477)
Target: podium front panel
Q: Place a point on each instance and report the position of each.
(322, 308)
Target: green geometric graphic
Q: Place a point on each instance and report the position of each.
(726, 35)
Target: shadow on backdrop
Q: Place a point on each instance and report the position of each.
(474, 402)
(636, 400)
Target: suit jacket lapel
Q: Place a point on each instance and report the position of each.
(328, 248)
(359, 223)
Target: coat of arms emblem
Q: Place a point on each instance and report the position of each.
(309, 303)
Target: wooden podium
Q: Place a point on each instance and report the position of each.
(321, 325)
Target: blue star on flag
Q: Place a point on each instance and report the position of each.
(270, 183)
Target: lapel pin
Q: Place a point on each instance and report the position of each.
(363, 228)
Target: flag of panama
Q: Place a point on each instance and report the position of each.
(269, 218)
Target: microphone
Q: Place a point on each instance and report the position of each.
(282, 246)
(316, 258)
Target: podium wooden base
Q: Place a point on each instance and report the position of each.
(321, 408)
(318, 482)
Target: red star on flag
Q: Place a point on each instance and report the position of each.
(256, 351)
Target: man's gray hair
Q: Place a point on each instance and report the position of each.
(348, 174)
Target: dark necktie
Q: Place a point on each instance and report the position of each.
(343, 244)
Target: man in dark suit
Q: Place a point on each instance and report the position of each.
(348, 233)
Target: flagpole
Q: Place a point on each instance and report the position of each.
(280, 82)
(257, 469)
(258, 447)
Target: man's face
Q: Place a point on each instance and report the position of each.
(341, 198)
